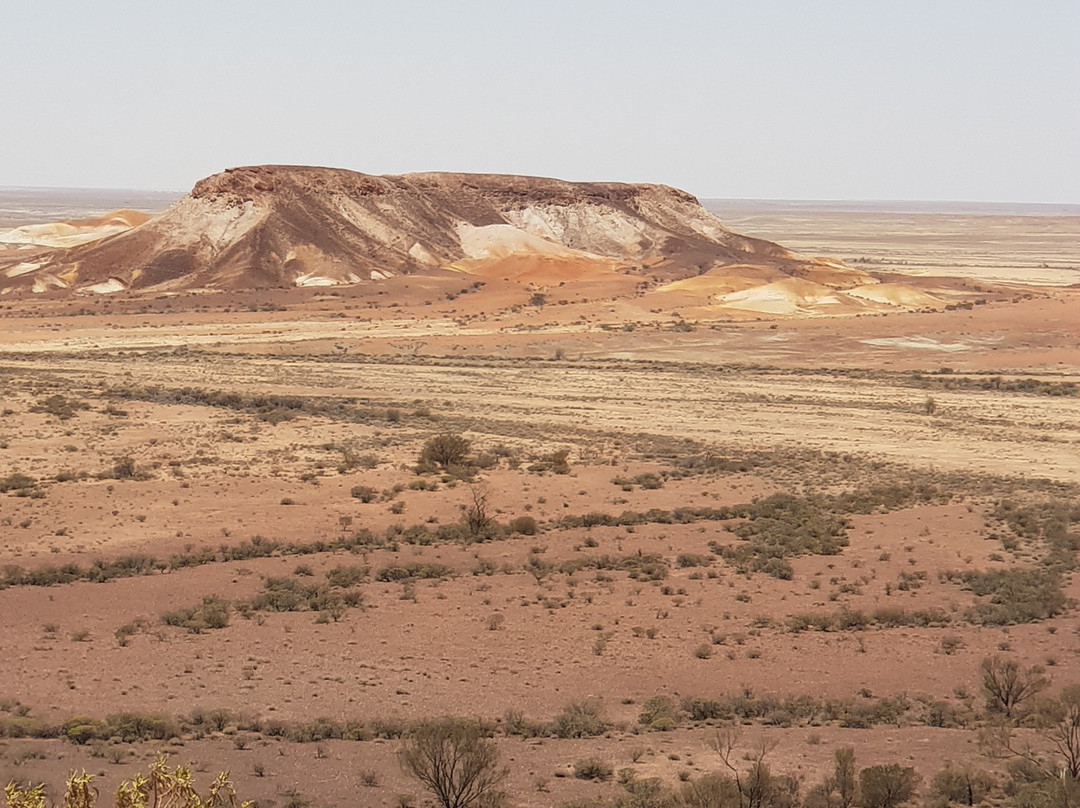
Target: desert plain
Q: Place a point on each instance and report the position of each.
(221, 537)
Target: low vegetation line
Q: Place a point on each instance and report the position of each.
(1009, 691)
(776, 527)
(267, 407)
(945, 378)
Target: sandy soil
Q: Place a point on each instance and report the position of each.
(798, 406)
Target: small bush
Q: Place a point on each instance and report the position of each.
(951, 644)
(525, 525)
(123, 468)
(659, 714)
(887, 786)
(704, 709)
(212, 613)
(593, 768)
(581, 719)
(960, 786)
(445, 450)
(346, 576)
(16, 482)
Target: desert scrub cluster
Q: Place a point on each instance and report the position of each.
(450, 454)
(99, 571)
(682, 468)
(279, 594)
(211, 613)
(1006, 597)
(557, 462)
(352, 457)
(582, 718)
(20, 485)
(858, 620)
(59, 406)
(647, 480)
(745, 779)
(780, 527)
(357, 542)
(291, 594)
(639, 566)
(1012, 692)
(126, 566)
(1044, 525)
(997, 383)
(1012, 595)
(771, 530)
(412, 571)
(130, 727)
(269, 408)
(861, 712)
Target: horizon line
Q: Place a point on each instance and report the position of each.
(701, 197)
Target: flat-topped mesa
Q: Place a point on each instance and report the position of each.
(275, 226)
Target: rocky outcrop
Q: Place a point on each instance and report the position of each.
(274, 226)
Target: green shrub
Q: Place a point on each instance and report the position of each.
(81, 730)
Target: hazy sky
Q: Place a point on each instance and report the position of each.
(793, 99)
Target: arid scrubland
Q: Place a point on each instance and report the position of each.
(663, 561)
